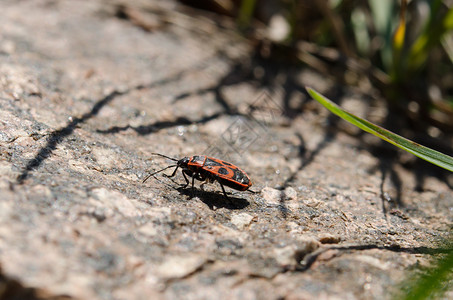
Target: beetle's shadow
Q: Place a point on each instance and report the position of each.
(214, 200)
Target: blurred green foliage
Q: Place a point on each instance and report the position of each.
(409, 42)
(429, 283)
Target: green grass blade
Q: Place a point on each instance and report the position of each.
(423, 152)
(246, 12)
(431, 285)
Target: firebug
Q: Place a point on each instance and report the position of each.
(208, 169)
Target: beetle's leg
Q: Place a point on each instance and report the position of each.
(193, 181)
(173, 174)
(224, 193)
(187, 180)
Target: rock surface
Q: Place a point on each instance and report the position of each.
(89, 90)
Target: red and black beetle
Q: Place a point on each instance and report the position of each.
(208, 169)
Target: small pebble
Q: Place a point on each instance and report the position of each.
(241, 220)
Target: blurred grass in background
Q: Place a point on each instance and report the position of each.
(403, 49)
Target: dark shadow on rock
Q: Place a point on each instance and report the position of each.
(215, 199)
(388, 159)
(308, 260)
(239, 73)
(210, 198)
(57, 136)
(262, 73)
(307, 157)
(199, 92)
(388, 155)
(236, 75)
(12, 289)
(277, 67)
(159, 125)
(387, 163)
(423, 170)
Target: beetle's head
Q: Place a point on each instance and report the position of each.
(183, 162)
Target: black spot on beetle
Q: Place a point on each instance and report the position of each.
(240, 177)
(223, 171)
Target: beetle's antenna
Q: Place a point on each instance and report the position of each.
(174, 159)
(158, 172)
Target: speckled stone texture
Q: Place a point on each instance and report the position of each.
(87, 94)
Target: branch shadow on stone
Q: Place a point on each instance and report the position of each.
(159, 125)
(308, 260)
(57, 136)
(306, 157)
